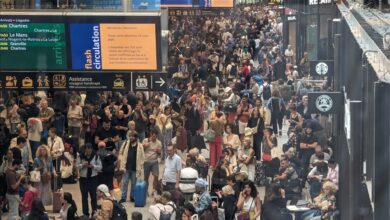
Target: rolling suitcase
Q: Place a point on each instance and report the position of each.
(140, 194)
(57, 192)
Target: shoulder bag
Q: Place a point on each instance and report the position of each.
(35, 176)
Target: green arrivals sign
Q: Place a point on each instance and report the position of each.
(27, 46)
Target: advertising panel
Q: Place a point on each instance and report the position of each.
(88, 43)
(177, 3)
(146, 5)
(113, 46)
(216, 3)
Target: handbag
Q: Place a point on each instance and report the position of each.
(221, 214)
(35, 176)
(247, 215)
(266, 157)
(209, 135)
(252, 131)
(243, 216)
(46, 177)
(198, 142)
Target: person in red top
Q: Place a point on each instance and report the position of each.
(29, 195)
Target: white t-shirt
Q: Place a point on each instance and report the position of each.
(188, 177)
(35, 129)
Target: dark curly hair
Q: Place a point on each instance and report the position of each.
(254, 192)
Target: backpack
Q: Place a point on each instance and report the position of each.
(275, 102)
(212, 81)
(167, 216)
(266, 92)
(233, 70)
(202, 167)
(118, 212)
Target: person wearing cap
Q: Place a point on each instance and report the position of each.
(204, 200)
(106, 203)
(131, 163)
(89, 165)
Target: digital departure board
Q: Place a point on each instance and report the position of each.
(88, 43)
(26, 45)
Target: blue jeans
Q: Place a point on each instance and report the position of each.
(128, 175)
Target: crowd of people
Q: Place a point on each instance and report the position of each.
(215, 133)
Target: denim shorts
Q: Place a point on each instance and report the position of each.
(151, 166)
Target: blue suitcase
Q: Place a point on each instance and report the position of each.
(140, 194)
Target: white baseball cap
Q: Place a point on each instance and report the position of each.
(104, 189)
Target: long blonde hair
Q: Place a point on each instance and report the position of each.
(38, 154)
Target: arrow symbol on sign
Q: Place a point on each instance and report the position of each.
(161, 82)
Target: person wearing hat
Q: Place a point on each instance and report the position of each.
(204, 200)
(245, 157)
(106, 203)
(89, 165)
(131, 160)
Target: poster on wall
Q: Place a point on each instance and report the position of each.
(88, 43)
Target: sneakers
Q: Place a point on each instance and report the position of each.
(131, 199)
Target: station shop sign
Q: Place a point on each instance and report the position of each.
(325, 102)
(103, 81)
(311, 3)
(321, 68)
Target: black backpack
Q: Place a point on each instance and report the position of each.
(275, 102)
(211, 81)
(233, 70)
(118, 211)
